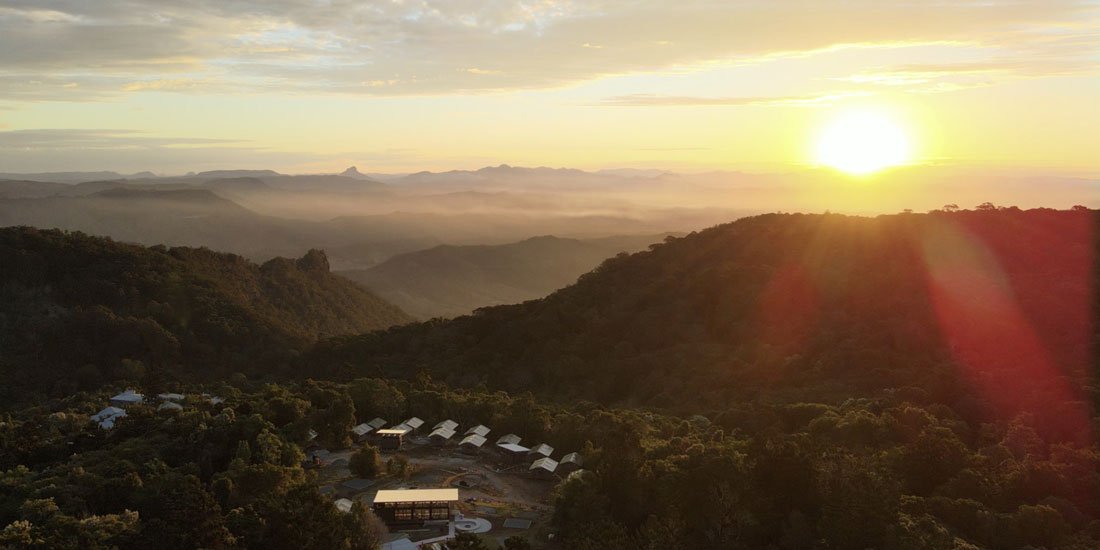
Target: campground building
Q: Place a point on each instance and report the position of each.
(440, 436)
(413, 424)
(570, 463)
(391, 439)
(413, 507)
(541, 450)
(480, 429)
(127, 398)
(472, 444)
(543, 468)
(362, 432)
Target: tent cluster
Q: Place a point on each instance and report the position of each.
(472, 441)
(107, 417)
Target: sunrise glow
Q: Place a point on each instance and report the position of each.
(863, 142)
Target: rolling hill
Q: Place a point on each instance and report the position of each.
(78, 311)
(447, 281)
(794, 307)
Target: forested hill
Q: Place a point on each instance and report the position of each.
(448, 280)
(78, 311)
(798, 307)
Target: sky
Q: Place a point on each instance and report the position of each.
(404, 85)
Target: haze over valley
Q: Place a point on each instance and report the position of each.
(549, 275)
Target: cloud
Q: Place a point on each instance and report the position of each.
(656, 100)
(125, 150)
(429, 47)
(54, 139)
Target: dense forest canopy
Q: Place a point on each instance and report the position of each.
(989, 311)
(784, 381)
(77, 312)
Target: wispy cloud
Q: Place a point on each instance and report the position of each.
(656, 100)
(56, 139)
(426, 47)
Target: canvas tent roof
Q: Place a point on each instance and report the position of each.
(544, 463)
(542, 449)
(106, 413)
(376, 423)
(572, 458)
(170, 396)
(509, 439)
(170, 405)
(513, 448)
(362, 429)
(416, 495)
(473, 439)
(480, 429)
(449, 424)
(413, 422)
(128, 396)
(445, 433)
(343, 504)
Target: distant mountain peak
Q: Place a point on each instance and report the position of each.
(353, 172)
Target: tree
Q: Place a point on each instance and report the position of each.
(364, 463)
(398, 466)
(467, 541)
(516, 542)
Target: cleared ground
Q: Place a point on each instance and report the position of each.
(489, 487)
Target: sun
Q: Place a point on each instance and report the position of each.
(863, 142)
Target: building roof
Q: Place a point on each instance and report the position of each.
(398, 430)
(513, 448)
(170, 405)
(445, 433)
(449, 424)
(400, 544)
(473, 439)
(362, 429)
(542, 449)
(544, 463)
(107, 417)
(129, 396)
(376, 423)
(416, 495)
(413, 422)
(108, 412)
(509, 439)
(573, 458)
(170, 396)
(343, 505)
(480, 429)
